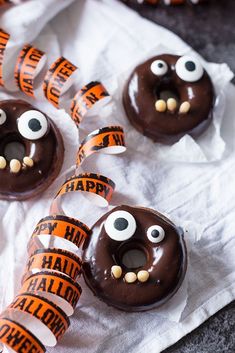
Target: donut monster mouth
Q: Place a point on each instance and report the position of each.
(173, 79)
(133, 252)
(31, 125)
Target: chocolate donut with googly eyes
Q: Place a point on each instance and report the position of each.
(31, 150)
(135, 259)
(169, 96)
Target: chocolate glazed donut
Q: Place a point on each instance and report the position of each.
(123, 283)
(169, 96)
(29, 169)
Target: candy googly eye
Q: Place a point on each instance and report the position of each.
(159, 67)
(32, 125)
(189, 69)
(155, 234)
(3, 117)
(120, 225)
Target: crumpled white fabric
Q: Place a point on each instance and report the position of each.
(104, 38)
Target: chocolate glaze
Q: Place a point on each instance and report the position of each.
(142, 90)
(46, 152)
(166, 263)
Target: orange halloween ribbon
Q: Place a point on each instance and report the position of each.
(52, 272)
(26, 67)
(95, 184)
(57, 81)
(56, 78)
(103, 139)
(53, 283)
(89, 182)
(63, 227)
(85, 99)
(18, 338)
(4, 38)
(58, 260)
(44, 310)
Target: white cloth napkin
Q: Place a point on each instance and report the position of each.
(104, 38)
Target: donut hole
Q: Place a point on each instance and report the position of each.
(166, 94)
(134, 258)
(14, 149)
(165, 91)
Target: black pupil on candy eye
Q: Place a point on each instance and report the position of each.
(34, 125)
(155, 233)
(160, 65)
(190, 66)
(120, 223)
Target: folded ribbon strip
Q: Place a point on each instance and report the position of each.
(18, 338)
(108, 140)
(58, 260)
(50, 291)
(29, 63)
(57, 285)
(68, 229)
(86, 98)
(43, 310)
(58, 80)
(4, 38)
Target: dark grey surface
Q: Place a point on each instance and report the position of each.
(210, 29)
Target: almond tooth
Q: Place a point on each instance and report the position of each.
(171, 104)
(116, 271)
(143, 276)
(184, 108)
(160, 106)
(28, 161)
(3, 162)
(15, 166)
(130, 277)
